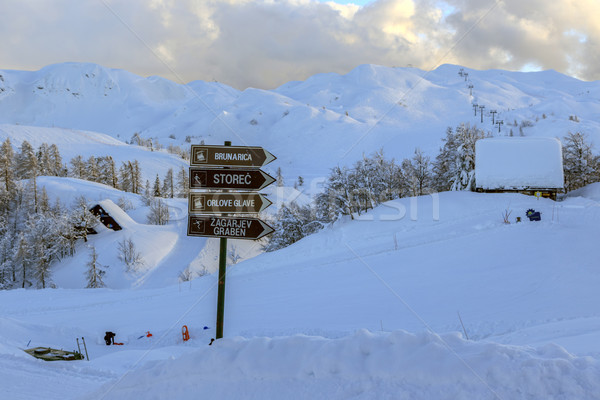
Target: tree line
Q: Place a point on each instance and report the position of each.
(375, 179)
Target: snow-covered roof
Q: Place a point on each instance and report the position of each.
(117, 213)
(518, 163)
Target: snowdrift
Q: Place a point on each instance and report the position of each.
(365, 365)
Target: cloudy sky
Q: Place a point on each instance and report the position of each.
(265, 43)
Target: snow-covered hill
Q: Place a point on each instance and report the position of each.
(310, 126)
(407, 272)
(72, 143)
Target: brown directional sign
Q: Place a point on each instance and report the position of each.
(238, 203)
(227, 227)
(217, 178)
(230, 156)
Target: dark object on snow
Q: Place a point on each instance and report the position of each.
(211, 341)
(50, 354)
(105, 218)
(109, 338)
(533, 215)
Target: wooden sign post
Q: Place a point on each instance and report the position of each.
(227, 168)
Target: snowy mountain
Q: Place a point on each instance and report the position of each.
(371, 107)
(422, 297)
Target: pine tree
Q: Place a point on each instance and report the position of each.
(56, 166)
(136, 177)
(125, 181)
(78, 168)
(168, 188)
(93, 172)
(95, 270)
(107, 171)
(156, 188)
(279, 178)
(26, 162)
(7, 166)
(183, 183)
(43, 158)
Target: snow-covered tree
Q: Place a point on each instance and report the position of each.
(293, 222)
(107, 171)
(156, 192)
(26, 162)
(454, 166)
(56, 165)
(168, 187)
(93, 171)
(81, 218)
(443, 166)
(78, 168)
(337, 197)
(130, 177)
(22, 260)
(580, 165)
(279, 178)
(95, 271)
(417, 173)
(183, 183)
(7, 165)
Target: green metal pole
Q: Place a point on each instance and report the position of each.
(221, 285)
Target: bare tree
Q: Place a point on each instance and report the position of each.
(129, 255)
(159, 212)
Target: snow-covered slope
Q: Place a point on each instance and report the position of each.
(526, 293)
(72, 143)
(310, 126)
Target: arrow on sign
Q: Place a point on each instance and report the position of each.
(238, 203)
(230, 156)
(215, 178)
(227, 227)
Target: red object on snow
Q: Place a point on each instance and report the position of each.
(185, 333)
(148, 334)
(118, 344)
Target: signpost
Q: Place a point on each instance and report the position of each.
(216, 178)
(238, 171)
(228, 227)
(237, 203)
(230, 156)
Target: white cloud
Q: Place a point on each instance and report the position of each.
(264, 43)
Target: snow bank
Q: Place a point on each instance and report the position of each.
(365, 365)
(591, 192)
(518, 163)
